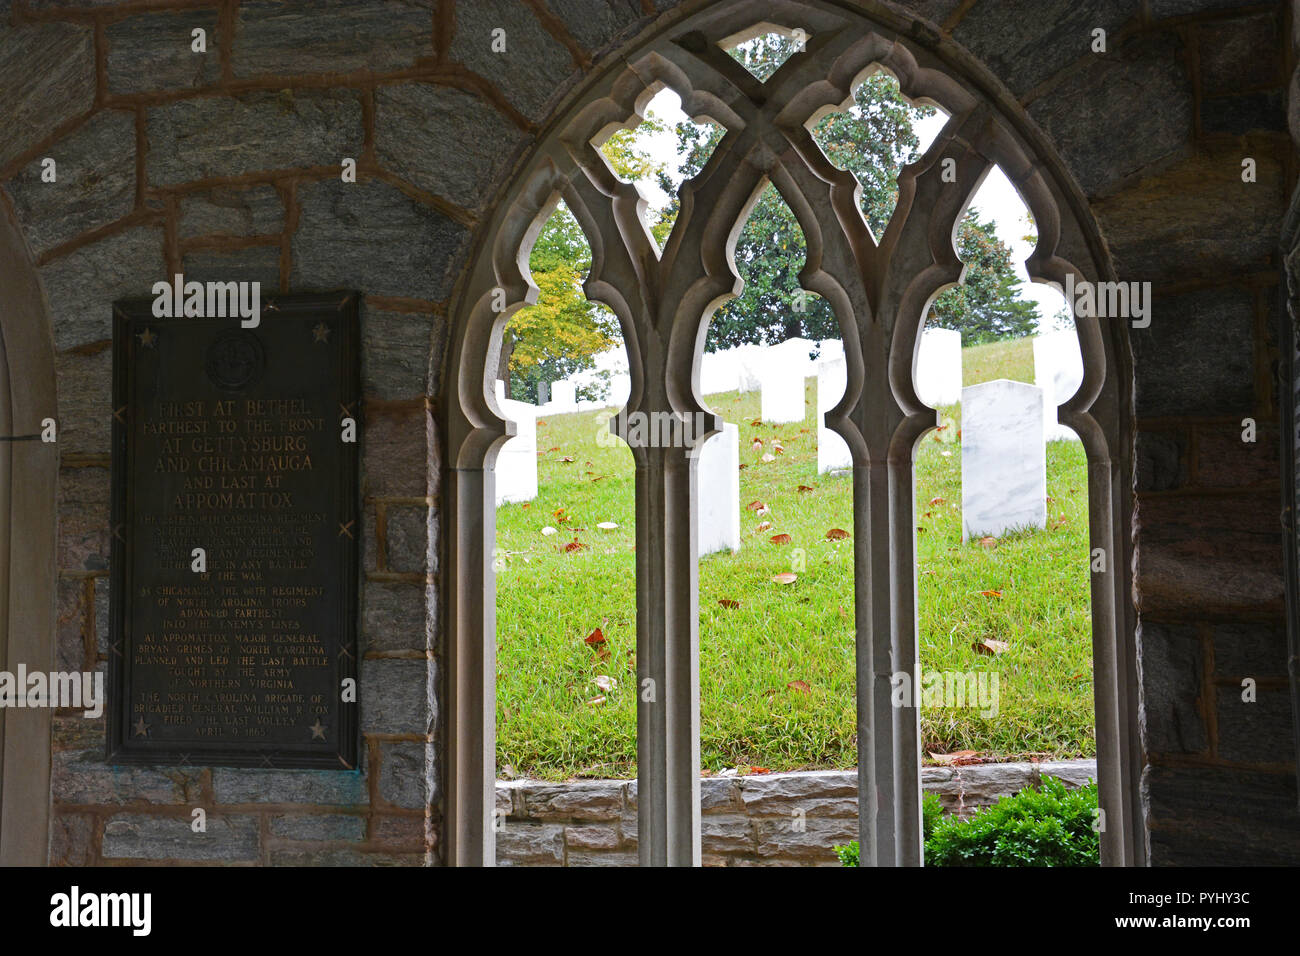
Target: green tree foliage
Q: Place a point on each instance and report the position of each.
(562, 333)
(984, 307)
(873, 139)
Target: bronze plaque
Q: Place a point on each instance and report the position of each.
(232, 440)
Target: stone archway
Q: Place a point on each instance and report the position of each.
(879, 289)
(28, 480)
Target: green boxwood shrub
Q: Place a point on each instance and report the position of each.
(1048, 826)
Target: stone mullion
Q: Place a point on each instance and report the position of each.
(668, 748)
(904, 654)
(471, 669)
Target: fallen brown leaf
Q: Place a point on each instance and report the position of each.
(991, 646)
(800, 686)
(836, 534)
(780, 539)
(785, 577)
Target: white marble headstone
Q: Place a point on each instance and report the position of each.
(516, 468)
(1058, 371)
(717, 490)
(781, 375)
(832, 450)
(719, 372)
(564, 398)
(1003, 459)
(938, 367)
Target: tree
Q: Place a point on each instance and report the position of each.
(562, 333)
(873, 139)
(984, 307)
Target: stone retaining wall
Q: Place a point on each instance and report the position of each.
(778, 819)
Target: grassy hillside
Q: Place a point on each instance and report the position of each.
(776, 661)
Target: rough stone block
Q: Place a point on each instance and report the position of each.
(1198, 356)
(444, 141)
(1183, 8)
(1223, 460)
(1260, 731)
(1161, 460)
(82, 285)
(191, 139)
(1171, 718)
(408, 539)
(342, 857)
(1208, 554)
(321, 788)
(70, 622)
(1249, 649)
(582, 800)
(330, 36)
(398, 350)
(95, 184)
(85, 391)
(83, 543)
(592, 837)
(535, 68)
(395, 696)
(1244, 113)
(601, 858)
(402, 774)
(318, 827)
(72, 839)
(782, 842)
(1026, 41)
(393, 440)
(595, 24)
(1193, 218)
(719, 794)
(780, 795)
(47, 77)
(1236, 54)
(232, 211)
(1220, 817)
(155, 52)
(727, 833)
(253, 264)
(530, 844)
(394, 617)
(84, 779)
(369, 235)
(1122, 113)
(967, 788)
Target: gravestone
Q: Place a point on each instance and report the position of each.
(938, 368)
(717, 492)
(235, 516)
(516, 468)
(782, 372)
(543, 392)
(832, 450)
(564, 398)
(720, 372)
(1058, 371)
(1003, 460)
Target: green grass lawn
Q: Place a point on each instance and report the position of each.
(777, 671)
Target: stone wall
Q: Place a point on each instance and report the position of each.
(778, 819)
(227, 164)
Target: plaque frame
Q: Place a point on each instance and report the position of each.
(343, 309)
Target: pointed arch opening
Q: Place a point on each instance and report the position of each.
(879, 288)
